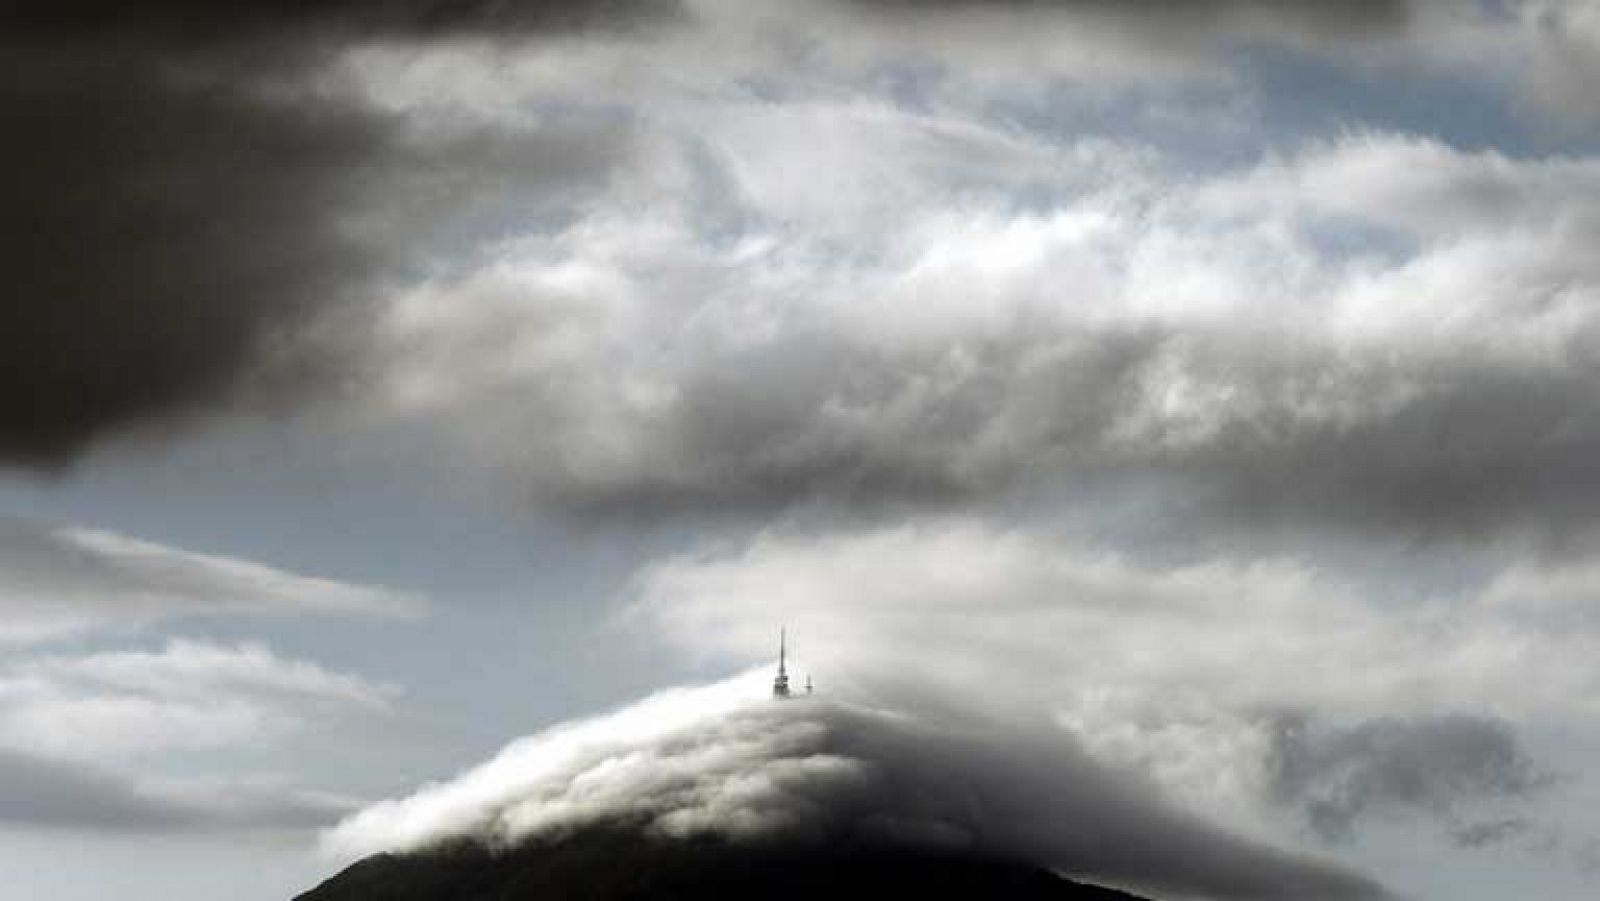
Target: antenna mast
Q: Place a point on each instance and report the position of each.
(780, 684)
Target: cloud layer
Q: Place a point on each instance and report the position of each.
(86, 736)
(361, 147)
(722, 760)
(186, 695)
(46, 792)
(1263, 345)
(57, 581)
(83, 737)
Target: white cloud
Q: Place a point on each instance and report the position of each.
(1183, 669)
(529, 771)
(188, 695)
(60, 581)
(185, 667)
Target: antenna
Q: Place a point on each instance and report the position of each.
(780, 683)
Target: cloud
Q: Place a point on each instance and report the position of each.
(1170, 19)
(43, 792)
(1027, 43)
(197, 20)
(1181, 669)
(720, 760)
(189, 667)
(72, 725)
(1441, 767)
(1561, 41)
(955, 303)
(188, 694)
(47, 792)
(1261, 345)
(167, 230)
(57, 581)
(194, 198)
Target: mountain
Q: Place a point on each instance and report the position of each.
(601, 865)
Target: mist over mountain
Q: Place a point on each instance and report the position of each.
(707, 789)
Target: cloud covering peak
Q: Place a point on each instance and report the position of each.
(723, 759)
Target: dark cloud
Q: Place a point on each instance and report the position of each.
(183, 199)
(1433, 442)
(162, 232)
(38, 791)
(1436, 767)
(197, 19)
(824, 418)
(1471, 448)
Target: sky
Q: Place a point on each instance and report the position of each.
(1185, 408)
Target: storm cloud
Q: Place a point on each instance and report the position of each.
(189, 197)
(193, 19)
(720, 760)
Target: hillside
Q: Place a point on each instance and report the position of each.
(620, 866)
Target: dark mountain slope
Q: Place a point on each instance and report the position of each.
(621, 866)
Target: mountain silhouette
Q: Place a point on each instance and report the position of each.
(624, 865)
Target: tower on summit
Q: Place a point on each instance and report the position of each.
(780, 682)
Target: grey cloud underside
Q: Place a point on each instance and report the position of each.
(196, 19)
(1439, 767)
(44, 792)
(184, 206)
(1173, 17)
(1472, 449)
(1432, 441)
(41, 792)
